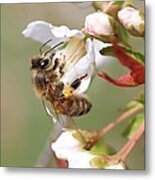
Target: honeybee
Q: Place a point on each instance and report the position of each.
(47, 70)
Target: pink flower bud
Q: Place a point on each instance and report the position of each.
(133, 20)
(99, 24)
(66, 144)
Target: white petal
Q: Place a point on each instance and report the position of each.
(39, 31)
(75, 33)
(60, 32)
(101, 60)
(85, 83)
(120, 166)
(73, 74)
(43, 31)
(64, 31)
(66, 144)
(86, 62)
(80, 159)
(85, 66)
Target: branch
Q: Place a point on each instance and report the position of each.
(121, 118)
(129, 146)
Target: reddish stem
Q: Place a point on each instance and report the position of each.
(129, 146)
(121, 118)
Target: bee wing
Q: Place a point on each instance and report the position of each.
(51, 113)
(59, 121)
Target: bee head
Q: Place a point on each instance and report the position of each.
(39, 63)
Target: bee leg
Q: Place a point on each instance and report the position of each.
(76, 83)
(68, 89)
(59, 90)
(60, 86)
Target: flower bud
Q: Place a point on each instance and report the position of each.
(99, 24)
(66, 144)
(132, 20)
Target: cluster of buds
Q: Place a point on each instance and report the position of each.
(103, 21)
(113, 19)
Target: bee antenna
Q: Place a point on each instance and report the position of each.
(57, 45)
(40, 50)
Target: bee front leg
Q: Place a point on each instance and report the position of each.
(76, 83)
(69, 89)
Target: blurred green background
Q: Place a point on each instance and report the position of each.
(24, 124)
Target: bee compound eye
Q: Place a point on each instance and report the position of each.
(44, 63)
(34, 63)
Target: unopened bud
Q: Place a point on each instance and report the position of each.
(99, 24)
(132, 20)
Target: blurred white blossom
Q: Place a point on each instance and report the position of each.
(118, 165)
(67, 144)
(86, 159)
(80, 159)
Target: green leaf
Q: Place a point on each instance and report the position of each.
(108, 51)
(141, 98)
(131, 104)
(136, 101)
(101, 148)
(122, 34)
(134, 126)
(138, 56)
(98, 162)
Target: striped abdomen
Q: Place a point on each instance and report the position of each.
(72, 106)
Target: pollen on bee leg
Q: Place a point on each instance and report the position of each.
(68, 91)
